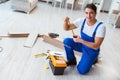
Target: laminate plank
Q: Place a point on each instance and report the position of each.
(31, 39)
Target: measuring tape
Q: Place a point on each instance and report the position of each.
(71, 27)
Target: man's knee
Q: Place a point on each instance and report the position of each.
(83, 70)
(67, 40)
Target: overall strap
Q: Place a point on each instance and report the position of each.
(83, 24)
(96, 29)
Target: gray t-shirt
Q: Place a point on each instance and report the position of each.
(90, 29)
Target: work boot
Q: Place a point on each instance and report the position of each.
(71, 62)
(96, 61)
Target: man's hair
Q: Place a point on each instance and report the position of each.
(91, 6)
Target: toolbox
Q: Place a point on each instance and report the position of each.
(57, 64)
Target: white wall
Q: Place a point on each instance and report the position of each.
(107, 5)
(114, 6)
(96, 1)
(99, 4)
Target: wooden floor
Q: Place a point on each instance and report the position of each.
(18, 62)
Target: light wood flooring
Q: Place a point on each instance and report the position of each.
(18, 62)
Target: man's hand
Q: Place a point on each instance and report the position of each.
(77, 38)
(66, 25)
(66, 19)
(94, 45)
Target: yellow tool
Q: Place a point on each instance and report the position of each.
(57, 64)
(41, 54)
(71, 27)
(58, 61)
(46, 67)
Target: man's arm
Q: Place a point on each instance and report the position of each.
(94, 45)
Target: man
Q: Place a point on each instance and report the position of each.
(92, 33)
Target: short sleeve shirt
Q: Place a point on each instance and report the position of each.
(90, 29)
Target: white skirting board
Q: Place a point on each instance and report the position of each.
(31, 39)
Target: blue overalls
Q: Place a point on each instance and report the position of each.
(89, 55)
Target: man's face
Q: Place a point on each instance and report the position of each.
(90, 14)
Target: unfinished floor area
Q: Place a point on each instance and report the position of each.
(18, 62)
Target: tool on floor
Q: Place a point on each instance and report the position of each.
(53, 35)
(41, 55)
(48, 51)
(57, 64)
(46, 67)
